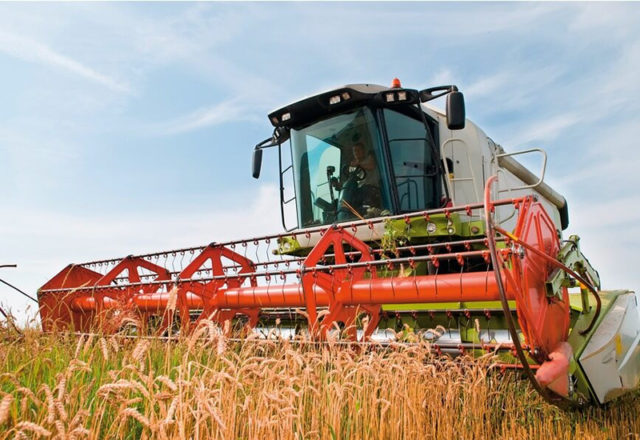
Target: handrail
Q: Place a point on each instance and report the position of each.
(446, 168)
(513, 164)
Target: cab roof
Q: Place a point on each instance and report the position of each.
(314, 107)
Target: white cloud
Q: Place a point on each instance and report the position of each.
(34, 51)
(443, 76)
(488, 85)
(513, 86)
(599, 17)
(227, 111)
(545, 130)
(415, 18)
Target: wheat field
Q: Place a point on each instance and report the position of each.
(206, 386)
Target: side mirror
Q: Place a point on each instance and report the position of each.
(257, 162)
(455, 111)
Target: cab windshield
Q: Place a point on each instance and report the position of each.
(338, 167)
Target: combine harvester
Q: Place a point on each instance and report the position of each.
(408, 219)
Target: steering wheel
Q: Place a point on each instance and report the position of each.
(357, 173)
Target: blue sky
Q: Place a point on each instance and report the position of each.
(127, 128)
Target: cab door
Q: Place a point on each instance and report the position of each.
(413, 165)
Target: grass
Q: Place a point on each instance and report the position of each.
(206, 386)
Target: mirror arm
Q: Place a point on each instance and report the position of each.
(427, 94)
(279, 136)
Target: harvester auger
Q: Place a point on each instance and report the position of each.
(401, 235)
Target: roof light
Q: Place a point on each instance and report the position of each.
(334, 99)
(395, 83)
(274, 120)
(346, 96)
(390, 97)
(402, 96)
(286, 117)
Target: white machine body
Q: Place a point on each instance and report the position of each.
(611, 359)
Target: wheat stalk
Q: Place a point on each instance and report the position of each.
(79, 346)
(80, 431)
(167, 382)
(277, 389)
(134, 413)
(34, 428)
(5, 405)
(172, 300)
(140, 350)
(104, 348)
(51, 406)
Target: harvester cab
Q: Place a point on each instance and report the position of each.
(411, 225)
(363, 151)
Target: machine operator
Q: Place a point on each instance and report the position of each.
(364, 170)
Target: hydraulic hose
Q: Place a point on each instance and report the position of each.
(552, 398)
